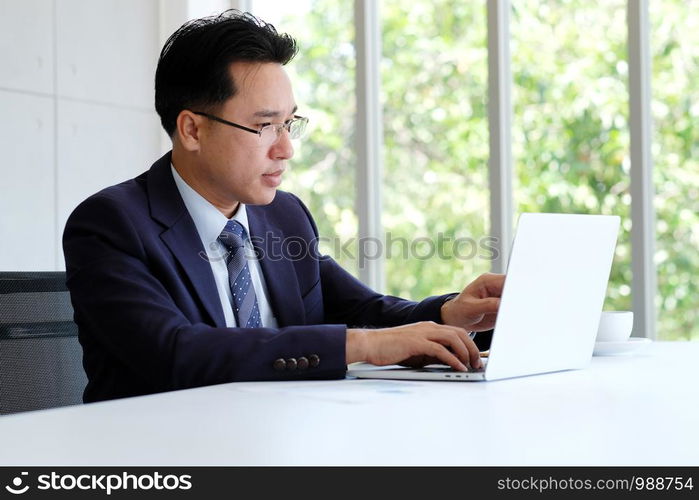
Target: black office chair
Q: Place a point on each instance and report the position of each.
(40, 356)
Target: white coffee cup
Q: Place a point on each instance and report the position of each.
(614, 326)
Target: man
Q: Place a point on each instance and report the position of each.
(179, 278)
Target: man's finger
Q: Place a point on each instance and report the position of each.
(487, 323)
(494, 284)
(487, 306)
(473, 352)
(440, 352)
(464, 347)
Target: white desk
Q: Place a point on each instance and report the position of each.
(635, 410)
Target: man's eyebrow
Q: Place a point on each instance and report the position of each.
(270, 113)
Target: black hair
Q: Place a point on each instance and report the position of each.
(193, 69)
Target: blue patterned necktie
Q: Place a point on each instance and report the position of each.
(245, 308)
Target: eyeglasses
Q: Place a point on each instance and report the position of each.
(270, 133)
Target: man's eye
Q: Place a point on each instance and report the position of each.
(263, 124)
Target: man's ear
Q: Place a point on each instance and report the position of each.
(188, 130)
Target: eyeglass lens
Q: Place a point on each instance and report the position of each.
(271, 133)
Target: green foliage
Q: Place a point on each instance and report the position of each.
(434, 83)
(570, 134)
(675, 38)
(570, 119)
(323, 172)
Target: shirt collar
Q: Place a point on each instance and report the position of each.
(208, 220)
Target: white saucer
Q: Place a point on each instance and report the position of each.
(618, 348)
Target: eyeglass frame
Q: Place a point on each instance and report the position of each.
(286, 124)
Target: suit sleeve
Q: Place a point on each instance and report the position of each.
(125, 313)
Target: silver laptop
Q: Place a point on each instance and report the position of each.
(554, 291)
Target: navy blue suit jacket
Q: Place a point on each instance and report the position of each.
(148, 311)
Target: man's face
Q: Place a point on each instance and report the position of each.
(233, 163)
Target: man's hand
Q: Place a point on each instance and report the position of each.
(476, 307)
(417, 344)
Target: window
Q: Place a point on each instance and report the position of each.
(435, 186)
(570, 134)
(570, 130)
(322, 171)
(675, 109)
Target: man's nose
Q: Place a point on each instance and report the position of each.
(282, 149)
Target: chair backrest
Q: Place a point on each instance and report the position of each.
(40, 356)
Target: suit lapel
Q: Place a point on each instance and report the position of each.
(182, 238)
(279, 273)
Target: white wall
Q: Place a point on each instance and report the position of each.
(77, 115)
(76, 109)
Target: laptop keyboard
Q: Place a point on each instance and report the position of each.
(449, 369)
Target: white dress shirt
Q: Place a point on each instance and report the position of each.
(209, 223)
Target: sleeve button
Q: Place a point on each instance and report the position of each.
(302, 363)
(291, 364)
(279, 365)
(314, 360)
